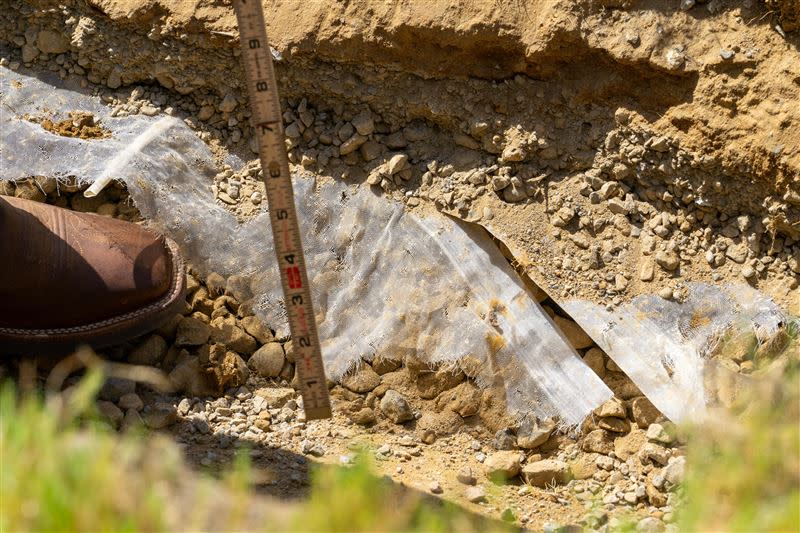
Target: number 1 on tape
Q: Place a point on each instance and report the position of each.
(268, 123)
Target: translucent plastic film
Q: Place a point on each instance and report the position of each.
(386, 282)
(663, 345)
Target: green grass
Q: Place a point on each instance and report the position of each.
(61, 469)
(744, 472)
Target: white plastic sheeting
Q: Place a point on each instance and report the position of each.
(663, 345)
(386, 282)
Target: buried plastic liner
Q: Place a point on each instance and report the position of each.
(386, 282)
(664, 346)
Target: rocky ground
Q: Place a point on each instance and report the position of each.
(428, 428)
(629, 148)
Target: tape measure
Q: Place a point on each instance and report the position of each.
(268, 123)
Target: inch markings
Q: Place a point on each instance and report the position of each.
(268, 124)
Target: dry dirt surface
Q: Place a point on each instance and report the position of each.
(629, 146)
(616, 148)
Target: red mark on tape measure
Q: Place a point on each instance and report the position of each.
(293, 277)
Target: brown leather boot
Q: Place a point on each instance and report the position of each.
(69, 278)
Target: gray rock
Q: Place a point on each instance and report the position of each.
(395, 407)
(160, 415)
(268, 360)
(29, 53)
(363, 123)
(310, 448)
(183, 406)
(504, 439)
(191, 332)
(110, 413)
(533, 433)
(150, 352)
(675, 471)
(114, 388)
(435, 487)
(131, 401)
(651, 524)
(663, 434)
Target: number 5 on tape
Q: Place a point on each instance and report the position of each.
(268, 123)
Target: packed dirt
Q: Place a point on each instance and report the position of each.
(616, 148)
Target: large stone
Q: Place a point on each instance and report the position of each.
(464, 399)
(227, 368)
(644, 412)
(575, 335)
(115, 388)
(533, 433)
(615, 425)
(654, 495)
(475, 494)
(383, 365)
(668, 260)
(613, 407)
(276, 397)
(268, 360)
(257, 329)
(630, 444)
(395, 407)
(191, 332)
(160, 415)
(675, 471)
(440, 424)
(111, 413)
(662, 434)
(150, 352)
(363, 380)
(598, 441)
(653, 453)
(131, 401)
(584, 466)
(595, 360)
(189, 377)
(226, 331)
(51, 42)
(546, 472)
(364, 123)
(502, 465)
(363, 417)
(431, 384)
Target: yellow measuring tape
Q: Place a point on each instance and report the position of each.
(268, 123)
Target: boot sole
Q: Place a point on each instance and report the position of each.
(110, 331)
